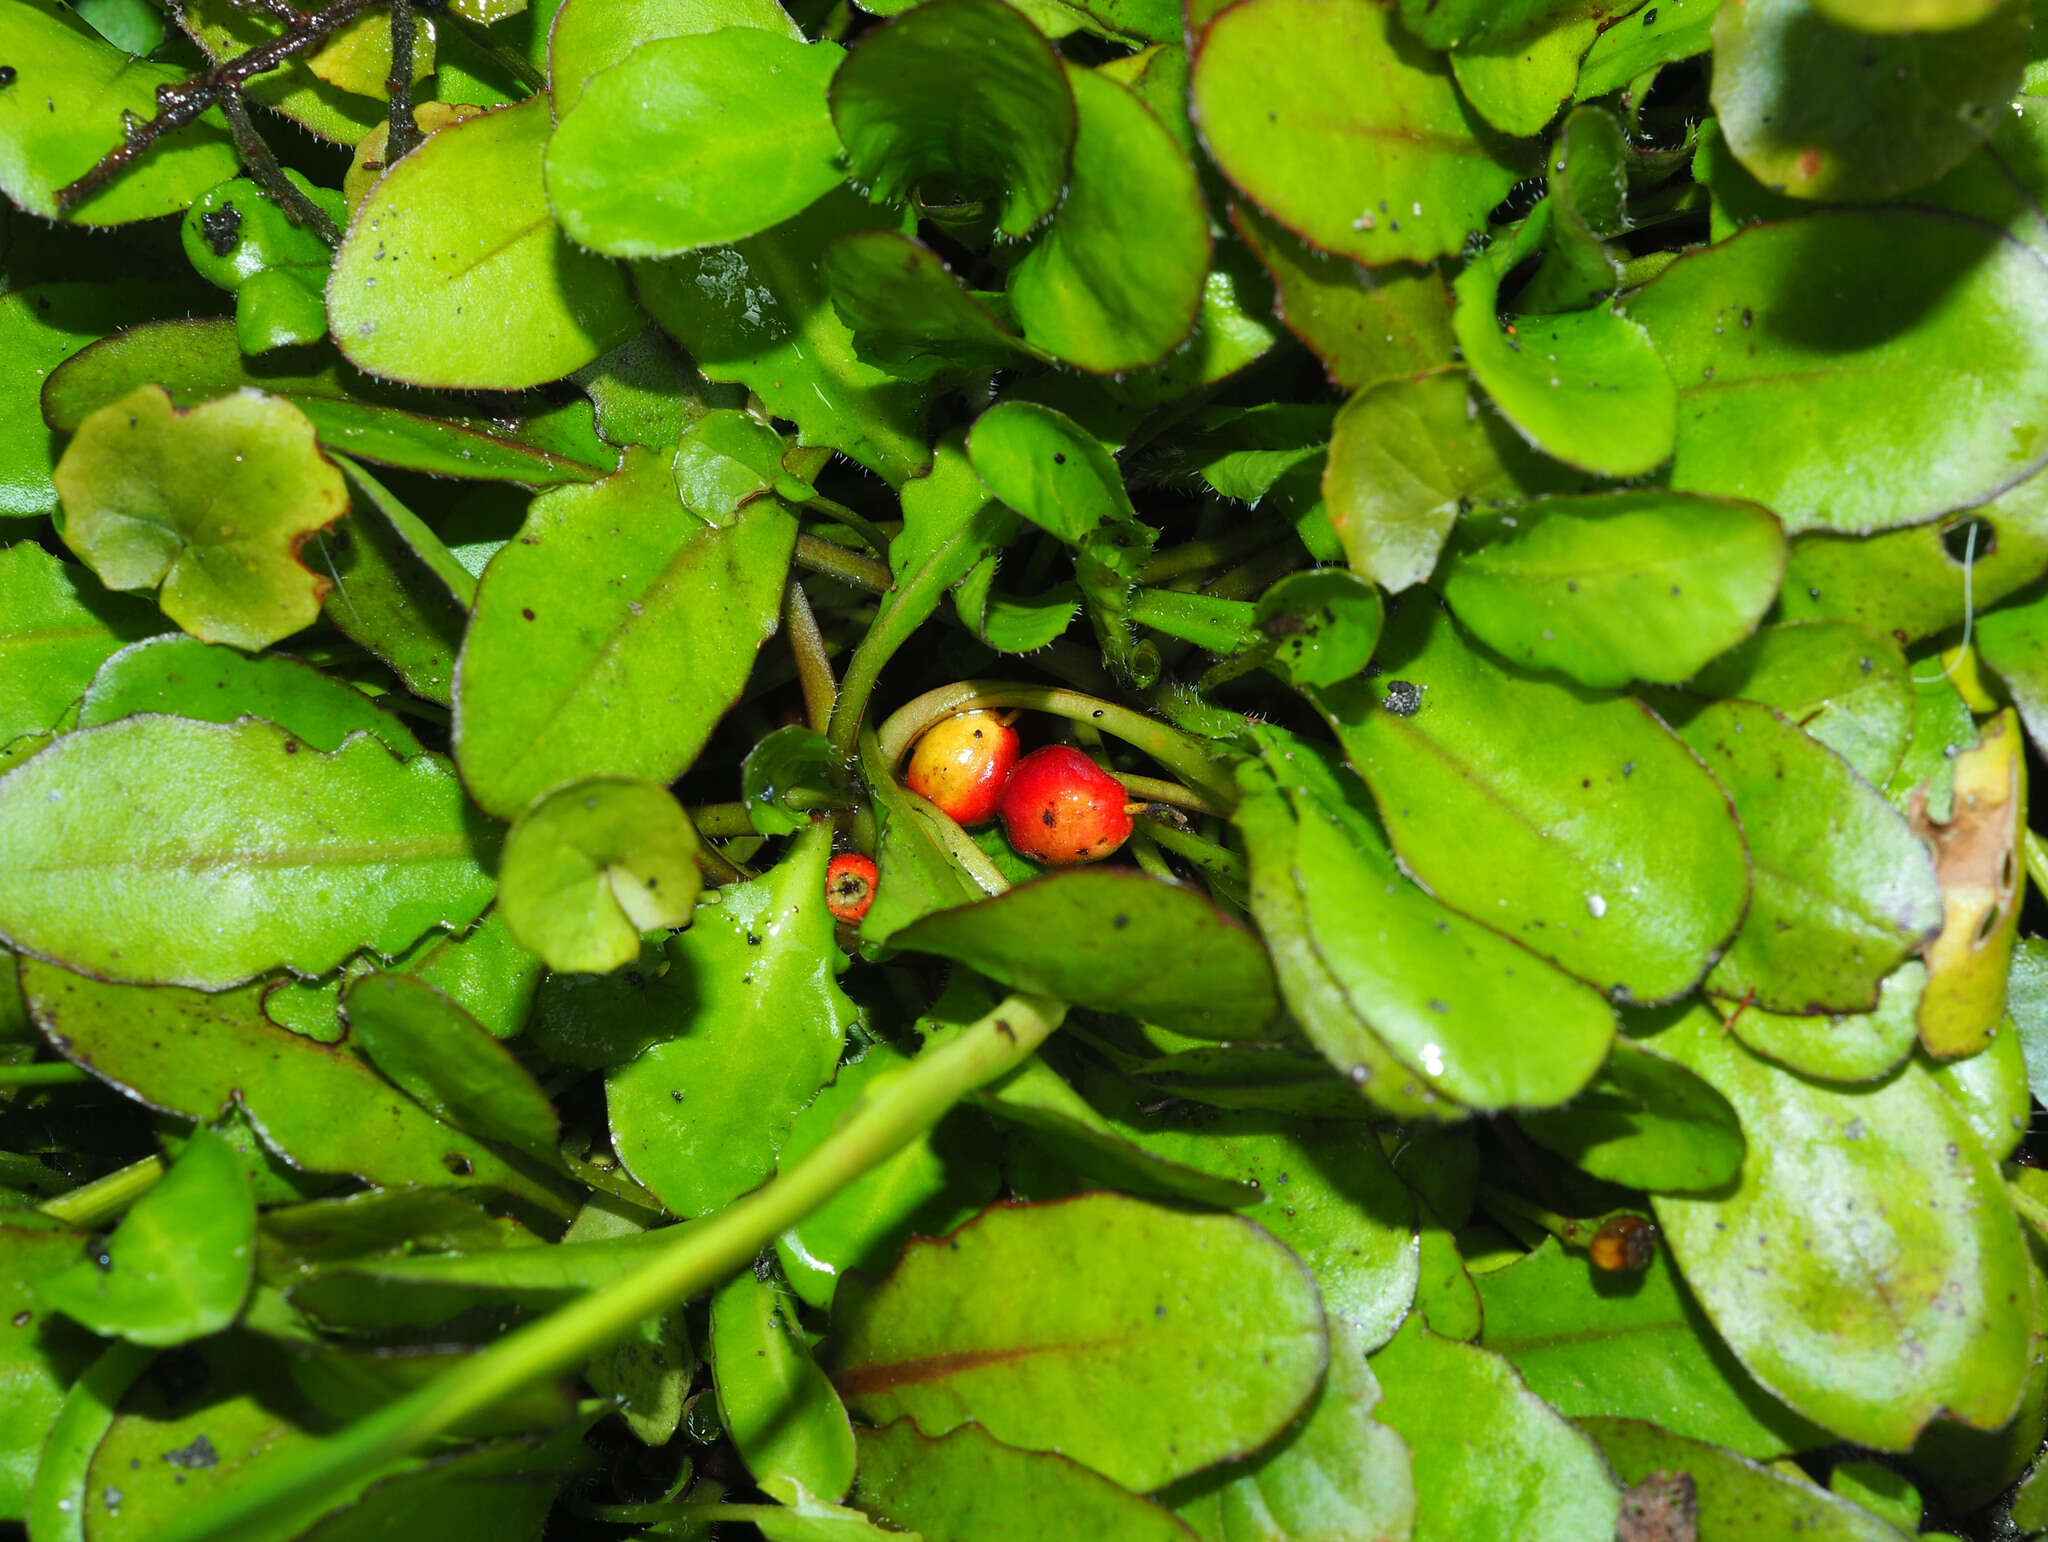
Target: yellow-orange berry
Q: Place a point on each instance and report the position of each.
(961, 764)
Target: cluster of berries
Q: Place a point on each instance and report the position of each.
(1057, 806)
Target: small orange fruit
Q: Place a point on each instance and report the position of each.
(961, 764)
(1062, 809)
(850, 881)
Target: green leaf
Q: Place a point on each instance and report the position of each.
(1365, 324)
(1574, 823)
(1990, 1087)
(1821, 111)
(404, 1290)
(1338, 1473)
(1117, 280)
(699, 1118)
(732, 135)
(1048, 468)
(956, 101)
(781, 1412)
(570, 668)
(2014, 643)
(793, 760)
(1557, 379)
(41, 1357)
(592, 865)
(1339, 128)
(56, 629)
(967, 1487)
(1905, 16)
(906, 311)
(42, 325)
(65, 108)
(987, 1326)
(1863, 1219)
(592, 35)
(1331, 1196)
(237, 238)
(1843, 1046)
(927, 1188)
(397, 590)
(1325, 622)
(191, 679)
(57, 1497)
(1398, 992)
(1406, 458)
(1842, 888)
(759, 313)
(1845, 685)
(1517, 79)
(318, 1106)
(213, 504)
(1588, 201)
(1658, 35)
(1645, 1123)
(444, 1060)
(179, 1265)
(1616, 587)
(273, 854)
(1593, 1344)
(1857, 320)
(726, 459)
(1095, 937)
(1532, 1477)
(454, 273)
(1737, 1497)
(196, 361)
(915, 856)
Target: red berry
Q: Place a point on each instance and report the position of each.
(850, 881)
(961, 764)
(1060, 808)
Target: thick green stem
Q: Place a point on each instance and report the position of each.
(49, 1073)
(876, 537)
(889, 1115)
(2037, 862)
(813, 663)
(1183, 754)
(104, 1198)
(849, 567)
(1153, 790)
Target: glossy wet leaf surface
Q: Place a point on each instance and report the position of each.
(706, 173)
(1762, 343)
(1334, 123)
(575, 623)
(781, 1411)
(1632, 1346)
(1818, 936)
(1574, 823)
(1111, 929)
(1044, 1367)
(1646, 1123)
(591, 866)
(379, 850)
(178, 1265)
(700, 1117)
(1605, 590)
(968, 1485)
(964, 98)
(59, 630)
(1849, 1186)
(455, 274)
(213, 505)
(1530, 1472)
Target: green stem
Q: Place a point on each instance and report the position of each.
(1183, 754)
(1153, 790)
(890, 1114)
(1206, 855)
(876, 537)
(49, 1073)
(104, 1198)
(1146, 855)
(849, 567)
(813, 663)
(2037, 862)
(2029, 1209)
(1201, 555)
(721, 820)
